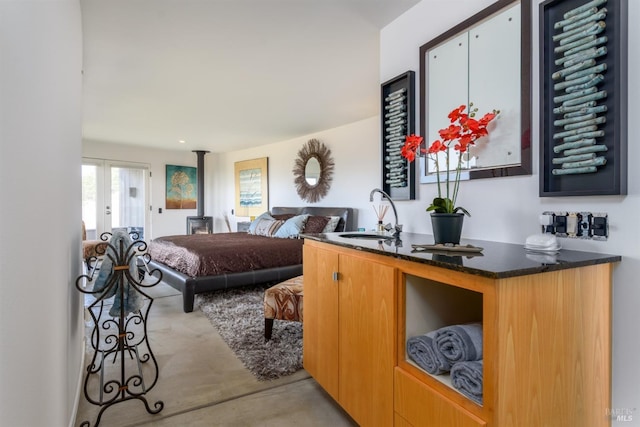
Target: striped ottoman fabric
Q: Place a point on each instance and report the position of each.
(283, 302)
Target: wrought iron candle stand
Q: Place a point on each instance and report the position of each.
(123, 364)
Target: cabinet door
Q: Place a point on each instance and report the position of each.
(367, 340)
(320, 305)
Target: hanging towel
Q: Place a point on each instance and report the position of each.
(109, 282)
(422, 351)
(459, 343)
(466, 377)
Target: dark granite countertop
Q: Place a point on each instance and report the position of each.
(497, 260)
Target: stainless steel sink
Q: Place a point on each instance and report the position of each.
(369, 236)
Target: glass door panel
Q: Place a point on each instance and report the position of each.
(126, 209)
(115, 196)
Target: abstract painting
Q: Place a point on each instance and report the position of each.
(182, 187)
(252, 187)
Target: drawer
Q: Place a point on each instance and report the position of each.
(419, 405)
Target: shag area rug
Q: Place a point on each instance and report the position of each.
(238, 315)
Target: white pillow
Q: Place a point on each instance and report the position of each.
(292, 227)
(267, 227)
(254, 223)
(331, 225)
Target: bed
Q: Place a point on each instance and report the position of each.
(200, 263)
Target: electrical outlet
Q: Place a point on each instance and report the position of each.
(584, 224)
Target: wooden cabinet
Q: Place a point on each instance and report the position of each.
(349, 331)
(320, 337)
(546, 344)
(546, 340)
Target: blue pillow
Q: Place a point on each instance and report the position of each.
(292, 227)
(267, 227)
(254, 223)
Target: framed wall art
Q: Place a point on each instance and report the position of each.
(583, 106)
(252, 187)
(398, 121)
(182, 187)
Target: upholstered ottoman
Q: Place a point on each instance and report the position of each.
(283, 302)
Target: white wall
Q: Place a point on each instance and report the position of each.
(170, 221)
(506, 209)
(40, 130)
(352, 178)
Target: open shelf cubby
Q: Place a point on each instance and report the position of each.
(430, 305)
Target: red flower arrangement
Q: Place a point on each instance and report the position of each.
(463, 131)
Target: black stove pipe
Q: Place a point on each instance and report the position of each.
(200, 172)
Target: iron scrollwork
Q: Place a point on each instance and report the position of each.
(122, 365)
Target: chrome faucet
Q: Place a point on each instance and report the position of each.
(397, 227)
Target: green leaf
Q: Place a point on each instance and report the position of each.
(445, 205)
(442, 205)
(460, 208)
(437, 209)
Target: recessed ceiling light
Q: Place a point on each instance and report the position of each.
(182, 141)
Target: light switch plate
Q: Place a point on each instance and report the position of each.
(599, 226)
(577, 225)
(572, 224)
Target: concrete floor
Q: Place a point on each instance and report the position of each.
(202, 383)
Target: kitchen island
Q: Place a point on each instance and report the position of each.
(546, 330)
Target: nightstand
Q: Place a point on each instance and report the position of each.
(243, 226)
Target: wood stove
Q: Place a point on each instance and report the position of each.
(199, 225)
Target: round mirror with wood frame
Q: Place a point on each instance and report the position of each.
(311, 185)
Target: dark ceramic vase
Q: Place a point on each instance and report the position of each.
(447, 228)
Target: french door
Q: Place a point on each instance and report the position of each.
(115, 196)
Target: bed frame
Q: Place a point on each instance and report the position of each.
(189, 286)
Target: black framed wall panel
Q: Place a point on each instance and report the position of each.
(398, 121)
(583, 108)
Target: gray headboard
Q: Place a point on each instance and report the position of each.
(346, 214)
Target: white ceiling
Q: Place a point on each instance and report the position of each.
(225, 75)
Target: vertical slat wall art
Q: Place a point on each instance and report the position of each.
(398, 121)
(583, 82)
